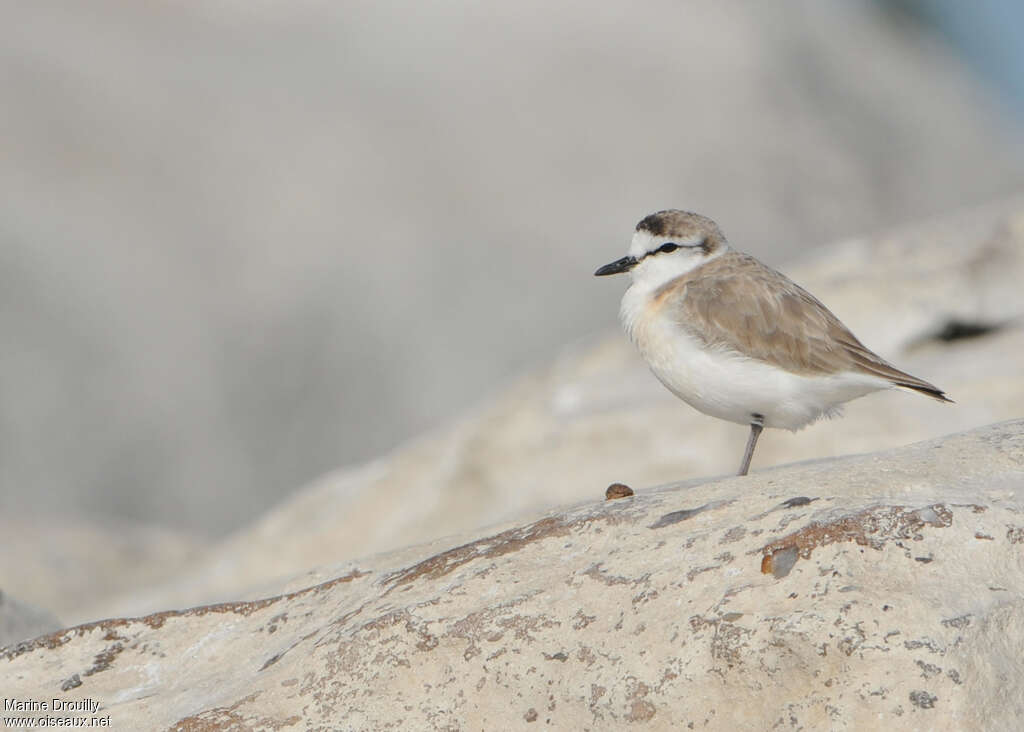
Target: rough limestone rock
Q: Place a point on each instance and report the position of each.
(597, 415)
(867, 592)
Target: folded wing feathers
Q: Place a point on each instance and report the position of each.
(743, 308)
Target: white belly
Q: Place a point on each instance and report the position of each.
(729, 386)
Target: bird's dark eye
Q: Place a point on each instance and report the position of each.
(668, 247)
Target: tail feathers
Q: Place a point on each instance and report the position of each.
(923, 387)
(870, 363)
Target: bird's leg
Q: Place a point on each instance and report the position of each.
(756, 425)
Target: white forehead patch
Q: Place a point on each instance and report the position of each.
(644, 242)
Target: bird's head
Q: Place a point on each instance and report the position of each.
(668, 244)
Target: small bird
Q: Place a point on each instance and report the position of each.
(737, 340)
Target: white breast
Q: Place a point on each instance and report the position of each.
(727, 385)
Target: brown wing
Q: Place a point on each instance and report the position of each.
(735, 302)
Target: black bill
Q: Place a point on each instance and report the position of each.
(619, 265)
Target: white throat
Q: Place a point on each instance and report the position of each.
(655, 271)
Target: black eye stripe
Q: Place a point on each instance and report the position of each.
(670, 246)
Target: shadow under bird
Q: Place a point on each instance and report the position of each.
(737, 340)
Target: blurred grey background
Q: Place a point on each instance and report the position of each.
(245, 242)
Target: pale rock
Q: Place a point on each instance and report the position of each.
(20, 621)
(597, 415)
(876, 591)
(241, 243)
(75, 567)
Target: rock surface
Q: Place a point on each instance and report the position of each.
(863, 592)
(598, 416)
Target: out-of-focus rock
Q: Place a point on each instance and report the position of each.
(243, 243)
(76, 567)
(597, 415)
(20, 622)
(866, 592)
